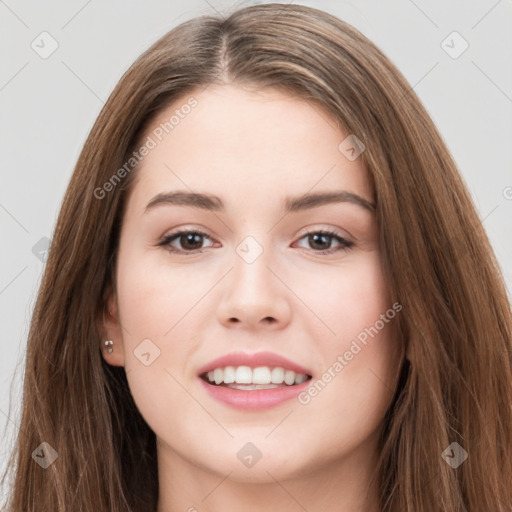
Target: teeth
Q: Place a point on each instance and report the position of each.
(243, 375)
(300, 378)
(262, 375)
(277, 375)
(289, 377)
(218, 375)
(229, 375)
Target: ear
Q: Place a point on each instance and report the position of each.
(113, 331)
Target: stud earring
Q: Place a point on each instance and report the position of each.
(108, 346)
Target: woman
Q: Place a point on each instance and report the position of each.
(342, 342)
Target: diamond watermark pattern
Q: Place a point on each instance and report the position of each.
(351, 147)
(249, 455)
(45, 455)
(147, 352)
(249, 249)
(44, 45)
(455, 455)
(454, 45)
(40, 249)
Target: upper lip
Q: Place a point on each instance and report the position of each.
(253, 360)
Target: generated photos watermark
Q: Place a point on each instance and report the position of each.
(151, 142)
(342, 361)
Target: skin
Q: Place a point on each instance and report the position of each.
(252, 149)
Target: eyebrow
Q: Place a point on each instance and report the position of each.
(214, 203)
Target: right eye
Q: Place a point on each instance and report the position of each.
(189, 241)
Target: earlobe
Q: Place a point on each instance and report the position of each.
(112, 346)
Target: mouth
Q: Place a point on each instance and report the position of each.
(248, 378)
(253, 382)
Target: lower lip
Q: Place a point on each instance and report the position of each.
(255, 399)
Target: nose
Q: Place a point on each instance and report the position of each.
(254, 295)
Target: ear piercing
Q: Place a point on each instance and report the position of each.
(108, 346)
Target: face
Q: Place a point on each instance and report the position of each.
(253, 269)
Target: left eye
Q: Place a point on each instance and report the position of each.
(322, 237)
(191, 241)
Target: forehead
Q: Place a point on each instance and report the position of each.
(237, 141)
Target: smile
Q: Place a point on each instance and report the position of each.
(247, 378)
(256, 381)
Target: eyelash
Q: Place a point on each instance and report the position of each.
(165, 242)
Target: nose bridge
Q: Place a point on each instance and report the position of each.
(253, 293)
(251, 273)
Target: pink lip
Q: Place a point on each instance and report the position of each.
(257, 398)
(253, 360)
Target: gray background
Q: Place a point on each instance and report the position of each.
(49, 104)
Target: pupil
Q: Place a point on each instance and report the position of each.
(189, 238)
(315, 239)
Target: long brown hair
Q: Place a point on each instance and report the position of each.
(455, 326)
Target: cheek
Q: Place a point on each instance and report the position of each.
(348, 298)
(359, 352)
(153, 297)
(156, 346)
(364, 324)
(152, 305)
